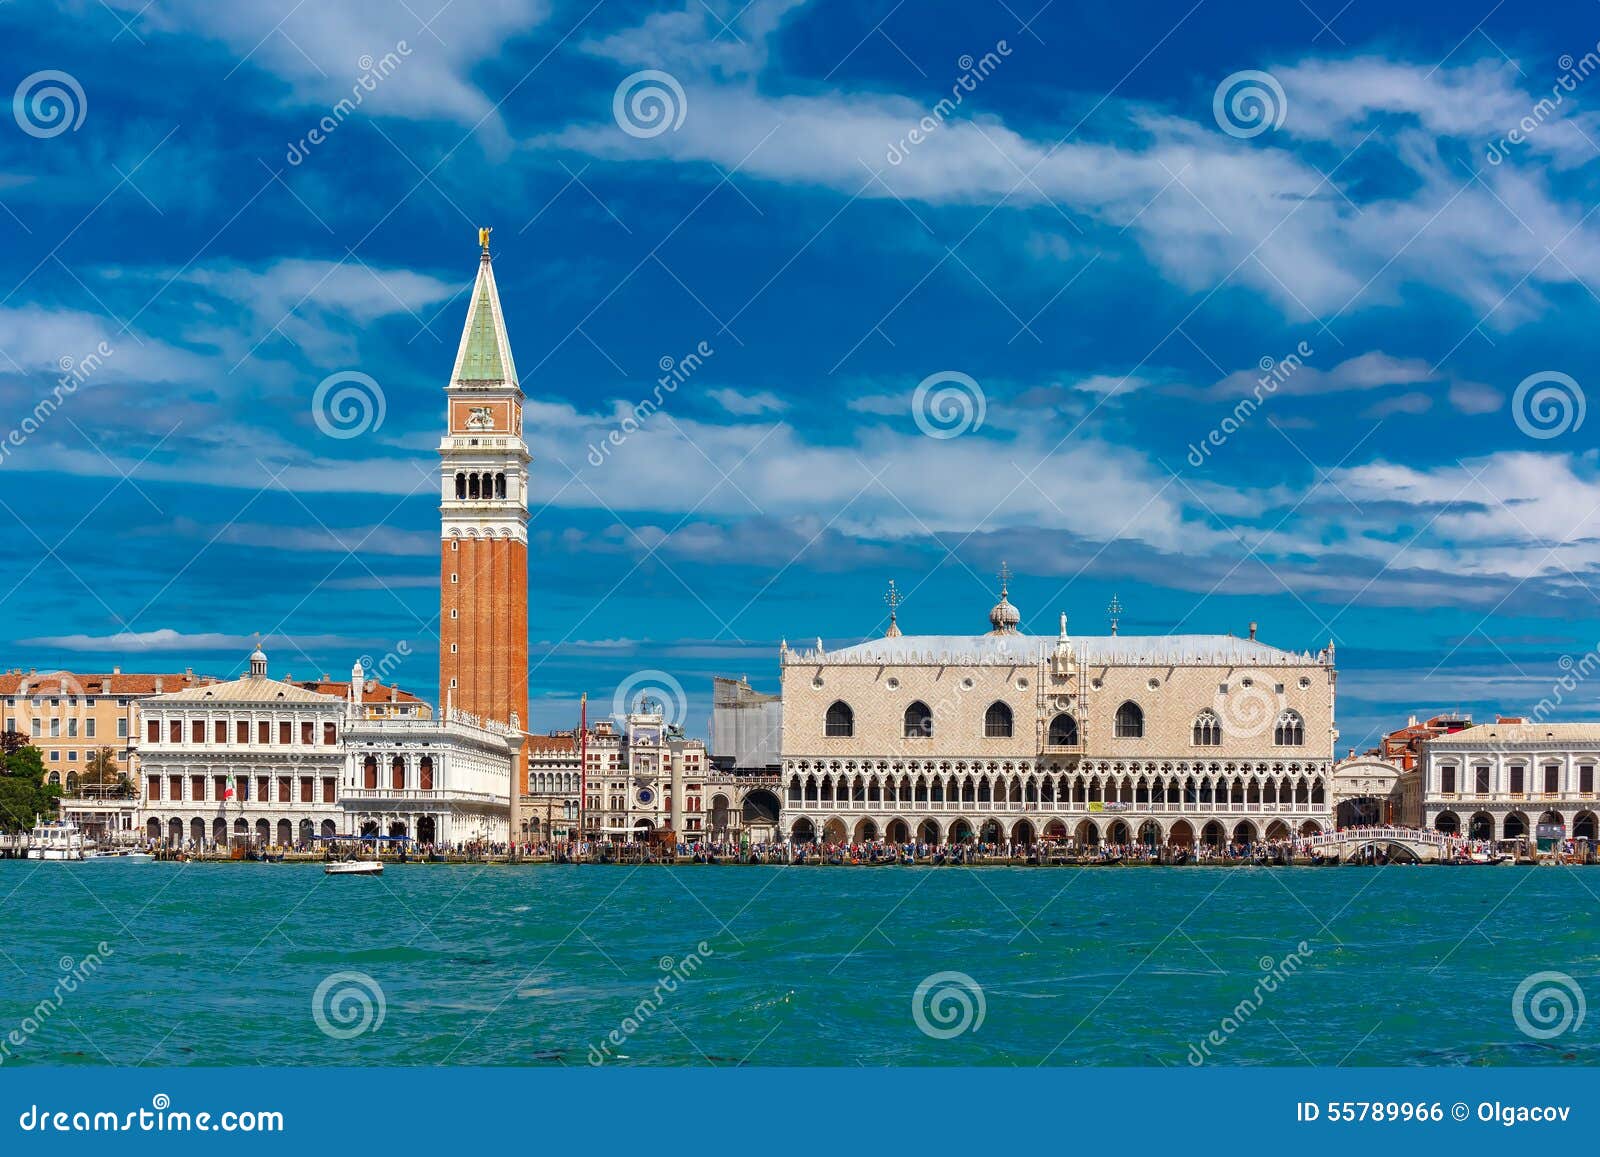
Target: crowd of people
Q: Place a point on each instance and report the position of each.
(1049, 851)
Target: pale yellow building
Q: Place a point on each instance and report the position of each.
(68, 715)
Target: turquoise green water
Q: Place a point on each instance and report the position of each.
(219, 964)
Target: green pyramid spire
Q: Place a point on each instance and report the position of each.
(480, 361)
(485, 353)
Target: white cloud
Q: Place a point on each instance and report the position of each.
(1111, 384)
(350, 289)
(1205, 207)
(167, 639)
(35, 340)
(359, 541)
(885, 405)
(1412, 403)
(693, 38)
(1475, 398)
(321, 50)
(745, 405)
(1368, 371)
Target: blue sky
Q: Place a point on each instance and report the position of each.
(1105, 246)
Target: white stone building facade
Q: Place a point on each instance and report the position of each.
(1500, 781)
(1010, 738)
(442, 783)
(260, 761)
(253, 760)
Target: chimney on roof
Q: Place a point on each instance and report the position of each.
(116, 670)
(158, 684)
(394, 695)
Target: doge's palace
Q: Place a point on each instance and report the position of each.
(1004, 737)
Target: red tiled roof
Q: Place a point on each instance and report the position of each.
(552, 743)
(372, 692)
(109, 683)
(122, 683)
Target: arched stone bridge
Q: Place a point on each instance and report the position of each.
(1399, 844)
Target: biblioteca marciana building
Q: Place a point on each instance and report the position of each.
(264, 761)
(1005, 737)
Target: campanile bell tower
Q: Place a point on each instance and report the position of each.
(483, 508)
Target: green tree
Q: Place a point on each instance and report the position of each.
(24, 796)
(101, 775)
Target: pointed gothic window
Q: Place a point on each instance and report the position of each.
(1290, 730)
(997, 722)
(1130, 721)
(1063, 731)
(1207, 729)
(840, 722)
(918, 721)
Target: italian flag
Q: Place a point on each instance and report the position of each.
(227, 792)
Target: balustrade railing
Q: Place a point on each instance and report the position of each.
(1069, 806)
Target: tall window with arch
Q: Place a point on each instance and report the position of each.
(1207, 729)
(840, 721)
(918, 721)
(1063, 731)
(1129, 723)
(1290, 730)
(997, 721)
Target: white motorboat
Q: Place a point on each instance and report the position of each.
(124, 855)
(55, 840)
(354, 868)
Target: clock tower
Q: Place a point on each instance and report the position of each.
(483, 508)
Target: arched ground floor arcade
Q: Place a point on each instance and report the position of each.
(225, 826)
(431, 822)
(1509, 821)
(1027, 829)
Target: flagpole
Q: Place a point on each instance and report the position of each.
(583, 764)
